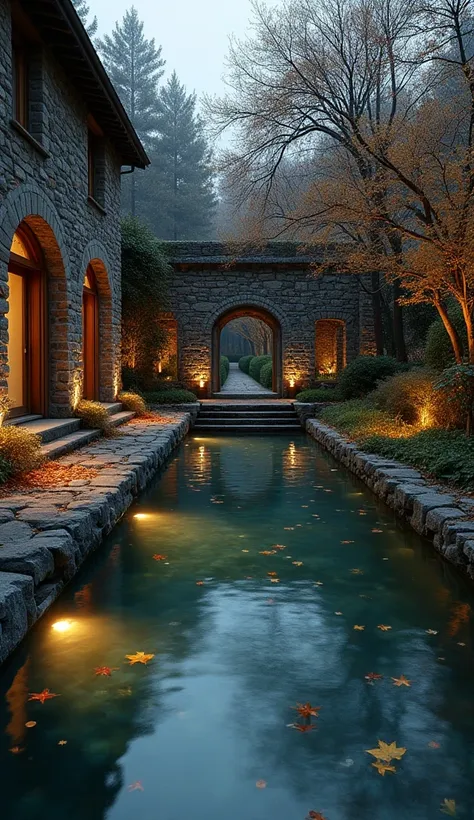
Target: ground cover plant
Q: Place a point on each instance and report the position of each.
(318, 394)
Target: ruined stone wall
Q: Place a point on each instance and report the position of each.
(44, 182)
(207, 282)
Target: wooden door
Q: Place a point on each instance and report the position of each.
(90, 337)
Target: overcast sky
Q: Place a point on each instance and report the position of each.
(193, 33)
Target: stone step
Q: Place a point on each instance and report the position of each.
(67, 444)
(244, 407)
(52, 429)
(112, 407)
(248, 429)
(240, 414)
(247, 421)
(21, 420)
(258, 396)
(120, 418)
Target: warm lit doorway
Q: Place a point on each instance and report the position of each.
(90, 336)
(26, 349)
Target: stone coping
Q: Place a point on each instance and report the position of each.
(46, 534)
(434, 511)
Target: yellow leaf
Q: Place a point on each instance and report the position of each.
(139, 657)
(448, 807)
(359, 628)
(384, 627)
(383, 768)
(401, 681)
(387, 751)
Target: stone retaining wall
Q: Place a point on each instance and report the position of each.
(441, 515)
(45, 535)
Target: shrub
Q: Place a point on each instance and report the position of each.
(361, 375)
(439, 352)
(318, 394)
(359, 419)
(266, 375)
(133, 401)
(256, 365)
(5, 470)
(94, 416)
(244, 363)
(224, 369)
(411, 396)
(173, 396)
(456, 386)
(20, 450)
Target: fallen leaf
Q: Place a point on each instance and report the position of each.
(261, 784)
(272, 574)
(448, 807)
(319, 583)
(357, 572)
(460, 643)
(62, 742)
(401, 681)
(159, 557)
(278, 547)
(383, 768)
(137, 786)
(16, 750)
(297, 563)
(106, 671)
(42, 696)
(139, 657)
(359, 628)
(387, 751)
(274, 580)
(267, 552)
(244, 550)
(306, 710)
(347, 541)
(431, 631)
(303, 727)
(373, 676)
(384, 627)
(30, 723)
(433, 744)
(288, 528)
(314, 815)
(199, 583)
(375, 530)
(338, 613)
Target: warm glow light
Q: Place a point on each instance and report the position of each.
(160, 366)
(201, 382)
(292, 382)
(426, 418)
(61, 626)
(141, 516)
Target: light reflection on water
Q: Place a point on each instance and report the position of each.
(193, 731)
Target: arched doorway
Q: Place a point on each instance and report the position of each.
(255, 312)
(90, 336)
(26, 349)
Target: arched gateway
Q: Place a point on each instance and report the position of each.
(318, 322)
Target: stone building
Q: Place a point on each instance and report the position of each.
(64, 138)
(318, 322)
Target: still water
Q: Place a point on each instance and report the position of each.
(205, 729)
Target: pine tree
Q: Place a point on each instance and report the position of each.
(177, 197)
(83, 11)
(135, 66)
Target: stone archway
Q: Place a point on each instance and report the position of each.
(256, 312)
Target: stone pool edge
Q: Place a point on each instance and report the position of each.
(442, 516)
(43, 545)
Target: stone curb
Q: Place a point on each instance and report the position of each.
(432, 510)
(45, 535)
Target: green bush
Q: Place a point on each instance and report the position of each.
(318, 394)
(173, 396)
(224, 369)
(266, 375)
(439, 350)
(361, 375)
(411, 396)
(256, 365)
(20, 450)
(6, 470)
(244, 363)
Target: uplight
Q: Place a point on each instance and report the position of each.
(292, 382)
(141, 516)
(61, 626)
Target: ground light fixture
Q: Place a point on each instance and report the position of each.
(63, 625)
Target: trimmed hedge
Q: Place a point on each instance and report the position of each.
(224, 369)
(173, 396)
(318, 394)
(256, 365)
(266, 375)
(361, 375)
(244, 363)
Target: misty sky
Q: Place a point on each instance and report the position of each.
(193, 33)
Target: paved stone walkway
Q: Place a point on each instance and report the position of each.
(46, 534)
(239, 382)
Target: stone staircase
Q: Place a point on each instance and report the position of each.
(61, 436)
(262, 417)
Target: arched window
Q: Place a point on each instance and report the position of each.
(330, 346)
(90, 336)
(26, 350)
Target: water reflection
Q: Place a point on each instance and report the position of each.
(209, 716)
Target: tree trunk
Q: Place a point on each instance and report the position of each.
(451, 331)
(398, 331)
(469, 330)
(377, 308)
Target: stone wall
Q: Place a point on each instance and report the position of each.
(208, 281)
(443, 516)
(44, 182)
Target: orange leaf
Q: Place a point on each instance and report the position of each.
(401, 681)
(42, 696)
(261, 784)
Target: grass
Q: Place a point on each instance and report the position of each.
(447, 455)
(317, 394)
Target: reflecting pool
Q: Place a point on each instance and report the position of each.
(258, 575)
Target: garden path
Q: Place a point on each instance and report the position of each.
(239, 382)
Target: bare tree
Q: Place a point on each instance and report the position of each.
(256, 331)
